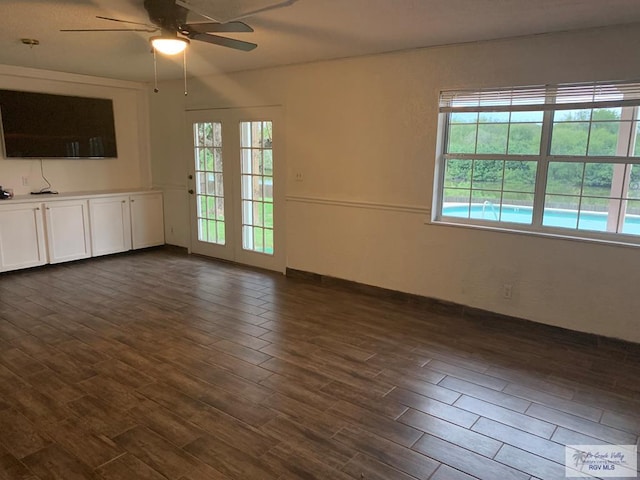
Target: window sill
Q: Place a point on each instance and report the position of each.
(551, 233)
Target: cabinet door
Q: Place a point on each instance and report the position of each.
(147, 220)
(110, 225)
(22, 241)
(68, 230)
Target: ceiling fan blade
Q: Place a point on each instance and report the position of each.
(228, 10)
(208, 27)
(109, 30)
(223, 41)
(125, 21)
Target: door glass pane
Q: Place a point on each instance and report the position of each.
(209, 179)
(257, 162)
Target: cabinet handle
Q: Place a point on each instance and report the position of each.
(190, 191)
(190, 177)
(37, 208)
(132, 200)
(124, 201)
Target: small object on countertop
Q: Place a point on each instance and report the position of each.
(6, 194)
(44, 192)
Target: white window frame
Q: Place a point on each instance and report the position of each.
(527, 99)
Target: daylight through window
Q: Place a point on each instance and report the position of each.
(561, 159)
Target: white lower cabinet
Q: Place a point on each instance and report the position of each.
(124, 222)
(147, 220)
(68, 236)
(22, 236)
(110, 225)
(77, 226)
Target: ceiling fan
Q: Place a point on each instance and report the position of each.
(169, 17)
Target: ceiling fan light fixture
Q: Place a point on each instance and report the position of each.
(168, 44)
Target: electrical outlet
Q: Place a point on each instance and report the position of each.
(507, 291)
(299, 177)
(25, 181)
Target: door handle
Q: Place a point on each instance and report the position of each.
(190, 177)
(190, 191)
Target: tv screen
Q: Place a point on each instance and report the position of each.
(40, 125)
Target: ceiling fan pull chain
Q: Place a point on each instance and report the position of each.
(155, 72)
(184, 68)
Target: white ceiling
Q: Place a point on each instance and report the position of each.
(308, 30)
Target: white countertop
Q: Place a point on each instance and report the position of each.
(49, 197)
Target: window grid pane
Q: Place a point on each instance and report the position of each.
(257, 186)
(490, 190)
(517, 133)
(209, 182)
(598, 199)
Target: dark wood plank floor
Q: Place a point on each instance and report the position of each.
(156, 365)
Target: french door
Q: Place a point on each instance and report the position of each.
(236, 185)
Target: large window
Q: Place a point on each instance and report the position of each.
(561, 159)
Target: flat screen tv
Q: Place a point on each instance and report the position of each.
(41, 125)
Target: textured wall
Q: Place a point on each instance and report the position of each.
(363, 133)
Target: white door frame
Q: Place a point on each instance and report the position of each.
(233, 250)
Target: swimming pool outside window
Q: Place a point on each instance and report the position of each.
(561, 159)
